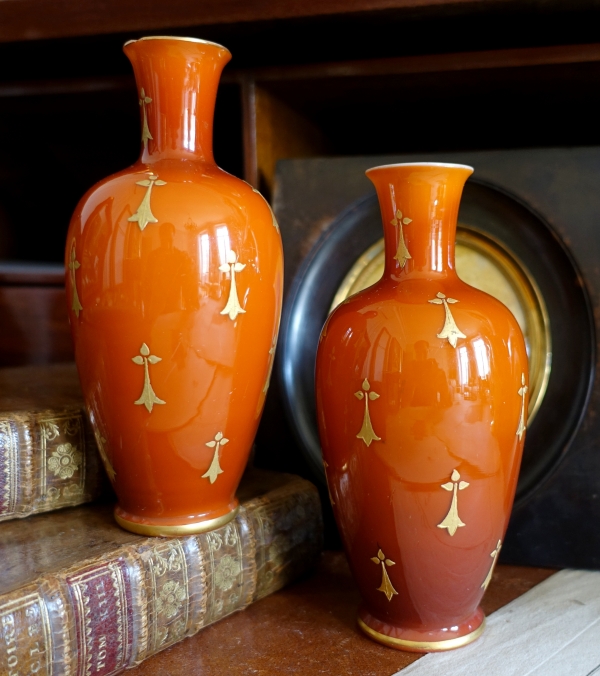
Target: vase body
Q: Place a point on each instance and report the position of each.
(421, 388)
(174, 286)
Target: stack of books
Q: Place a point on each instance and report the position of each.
(78, 595)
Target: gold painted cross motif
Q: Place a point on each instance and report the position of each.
(450, 330)
(326, 465)
(74, 265)
(148, 398)
(215, 468)
(233, 307)
(275, 224)
(367, 433)
(144, 214)
(402, 255)
(146, 135)
(452, 521)
(100, 440)
(271, 362)
(494, 556)
(522, 392)
(386, 584)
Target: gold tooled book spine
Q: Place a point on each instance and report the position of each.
(36, 638)
(106, 614)
(48, 460)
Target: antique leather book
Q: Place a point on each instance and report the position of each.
(80, 596)
(48, 456)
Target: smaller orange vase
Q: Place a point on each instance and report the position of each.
(421, 388)
(174, 284)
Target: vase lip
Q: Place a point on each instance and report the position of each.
(446, 165)
(177, 37)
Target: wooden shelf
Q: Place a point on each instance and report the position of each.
(309, 628)
(39, 19)
(537, 96)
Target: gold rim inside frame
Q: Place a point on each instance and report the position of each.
(422, 646)
(173, 531)
(177, 37)
(488, 265)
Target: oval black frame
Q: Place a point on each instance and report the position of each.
(528, 235)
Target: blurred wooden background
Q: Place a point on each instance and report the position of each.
(311, 77)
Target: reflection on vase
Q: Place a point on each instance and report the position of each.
(424, 383)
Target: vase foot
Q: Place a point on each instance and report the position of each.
(421, 641)
(155, 528)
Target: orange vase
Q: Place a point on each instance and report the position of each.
(174, 286)
(421, 390)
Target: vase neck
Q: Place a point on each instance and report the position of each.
(419, 207)
(177, 80)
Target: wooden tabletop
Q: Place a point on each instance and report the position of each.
(308, 628)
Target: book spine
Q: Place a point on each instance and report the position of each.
(48, 460)
(103, 616)
(34, 631)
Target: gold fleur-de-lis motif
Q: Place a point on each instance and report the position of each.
(450, 330)
(73, 266)
(271, 362)
(494, 556)
(101, 441)
(144, 101)
(522, 420)
(402, 255)
(215, 468)
(452, 521)
(326, 465)
(144, 214)
(367, 433)
(233, 307)
(273, 219)
(386, 584)
(148, 398)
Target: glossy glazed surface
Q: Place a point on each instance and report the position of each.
(174, 289)
(421, 390)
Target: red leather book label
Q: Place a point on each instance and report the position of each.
(102, 600)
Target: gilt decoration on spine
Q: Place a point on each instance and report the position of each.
(169, 579)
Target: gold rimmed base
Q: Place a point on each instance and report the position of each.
(422, 646)
(174, 531)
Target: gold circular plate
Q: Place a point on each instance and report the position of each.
(490, 266)
(174, 531)
(422, 646)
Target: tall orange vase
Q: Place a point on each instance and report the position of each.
(422, 397)
(174, 282)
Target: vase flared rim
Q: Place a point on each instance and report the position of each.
(179, 38)
(445, 165)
